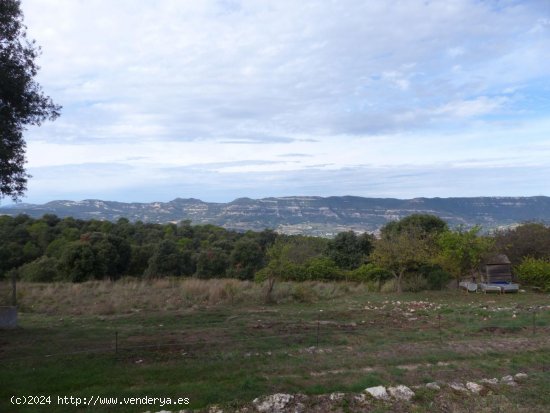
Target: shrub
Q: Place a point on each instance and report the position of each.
(389, 286)
(369, 273)
(323, 269)
(42, 269)
(436, 277)
(535, 272)
(415, 283)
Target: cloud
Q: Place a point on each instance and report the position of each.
(175, 84)
(399, 181)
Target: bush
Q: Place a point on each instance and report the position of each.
(535, 272)
(323, 269)
(389, 286)
(42, 269)
(436, 277)
(415, 283)
(369, 273)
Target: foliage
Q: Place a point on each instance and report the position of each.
(415, 283)
(426, 223)
(288, 257)
(79, 262)
(167, 260)
(436, 277)
(461, 252)
(245, 259)
(401, 252)
(94, 249)
(323, 269)
(535, 272)
(22, 102)
(370, 273)
(527, 240)
(348, 250)
(82, 250)
(212, 263)
(42, 269)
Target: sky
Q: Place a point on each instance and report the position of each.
(221, 99)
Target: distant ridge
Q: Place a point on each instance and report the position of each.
(304, 214)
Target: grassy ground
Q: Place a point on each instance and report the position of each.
(218, 342)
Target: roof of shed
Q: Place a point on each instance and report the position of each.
(498, 259)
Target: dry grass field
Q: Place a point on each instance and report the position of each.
(219, 342)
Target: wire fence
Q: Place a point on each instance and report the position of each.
(462, 331)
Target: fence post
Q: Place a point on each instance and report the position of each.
(116, 342)
(13, 290)
(439, 327)
(534, 321)
(318, 327)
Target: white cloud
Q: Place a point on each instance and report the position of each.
(183, 83)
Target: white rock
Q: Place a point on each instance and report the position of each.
(520, 376)
(433, 386)
(299, 408)
(509, 380)
(274, 403)
(401, 392)
(489, 381)
(378, 392)
(336, 396)
(215, 409)
(458, 387)
(361, 398)
(474, 387)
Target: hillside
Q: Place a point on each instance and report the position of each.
(306, 215)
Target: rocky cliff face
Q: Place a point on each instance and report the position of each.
(305, 215)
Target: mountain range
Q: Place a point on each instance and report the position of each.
(311, 215)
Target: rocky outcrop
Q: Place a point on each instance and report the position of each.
(304, 215)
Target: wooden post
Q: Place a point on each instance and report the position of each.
(14, 290)
(318, 326)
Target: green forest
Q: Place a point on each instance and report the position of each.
(416, 253)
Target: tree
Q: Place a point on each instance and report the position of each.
(461, 252)
(531, 239)
(535, 272)
(80, 263)
(212, 263)
(22, 102)
(348, 250)
(167, 260)
(401, 251)
(429, 224)
(247, 257)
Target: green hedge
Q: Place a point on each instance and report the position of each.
(534, 272)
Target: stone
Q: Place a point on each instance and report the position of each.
(215, 409)
(459, 387)
(274, 403)
(433, 386)
(489, 381)
(361, 398)
(401, 392)
(299, 408)
(520, 376)
(378, 392)
(509, 380)
(336, 396)
(474, 387)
